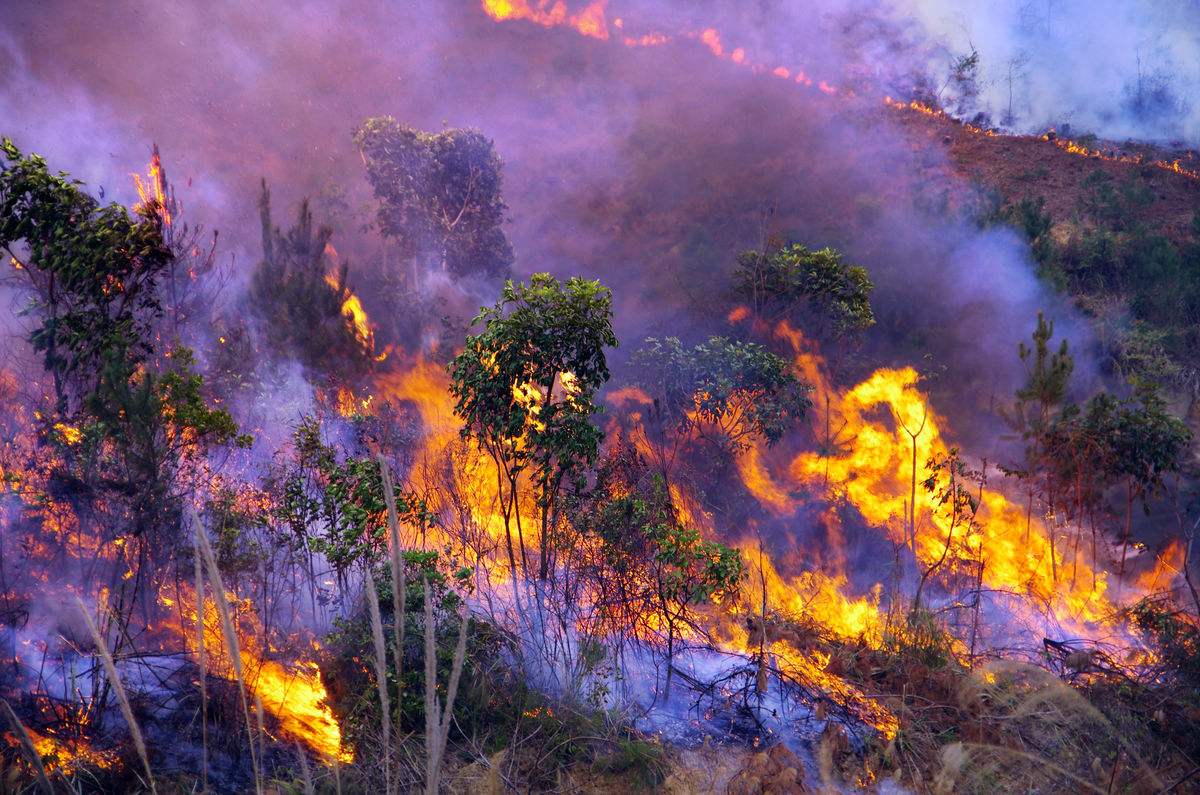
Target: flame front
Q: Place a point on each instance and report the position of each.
(293, 694)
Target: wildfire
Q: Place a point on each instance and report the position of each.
(552, 13)
(153, 195)
(64, 754)
(68, 433)
(1074, 148)
(293, 694)
(591, 22)
(888, 419)
(352, 309)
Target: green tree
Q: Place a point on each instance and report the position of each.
(338, 507)
(1147, 443)
(1133, 442)
(1038, 403)
(132, 418)
(816, 288)
(525, 387)
(93, 271)
(439, 195)
(728, 388)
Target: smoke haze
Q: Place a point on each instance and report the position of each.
(647, 167)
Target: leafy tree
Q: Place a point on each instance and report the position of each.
(439, 194)
(815, 287)
(299, 303)
(350, 687)
(135, 424)
(1147, 443)
(738, 389)
(93, 270)
(1133, 442)
(525, 388)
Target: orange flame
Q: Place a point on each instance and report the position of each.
(153, 194)
(552, 13)
(875, 473)
(293, 694)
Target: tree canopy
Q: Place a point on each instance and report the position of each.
(816, 288)
(439, 195)
(525, 385)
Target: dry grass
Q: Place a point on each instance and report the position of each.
(381, 686)
(231, 639)
(437, 716)
(399, 584)
(202, 662)
(35, 759)
(110, 669)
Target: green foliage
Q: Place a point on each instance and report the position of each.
(94, 271)
(439, 194)
(921, 638)
(1038, 401)
(1147, 442)
(1049, 371)
(739, 388)
(525, 385)
(1114, 205)
(338, 507)
(298, 308)
(1176, 635)
(948, 482)
(814, 288)
(1081, 451)
(141, 429)
(141, 422)
(964, 80)
(640, 762)
(1109, 251)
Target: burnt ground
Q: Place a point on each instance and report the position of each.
(1020, 166)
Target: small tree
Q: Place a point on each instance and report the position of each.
(815, 288)
(956, 491)
(734, 390)
(439, 194)
(94, 272)
(338, 507)
(1147, 444)
(1037, 405)
(134, 423)
(525, 387)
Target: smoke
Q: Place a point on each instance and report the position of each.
(648, 168)
(1117, 69)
